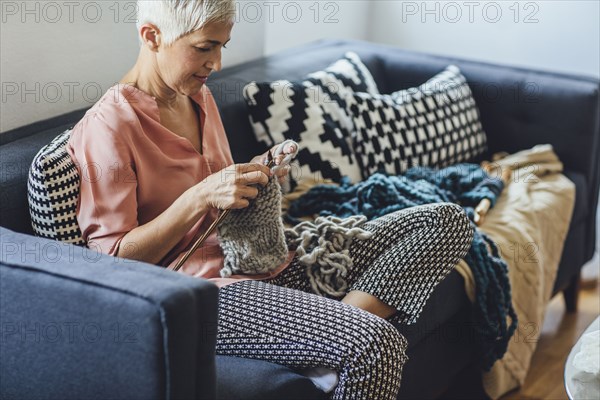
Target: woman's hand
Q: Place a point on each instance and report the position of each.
(231, 187)
(283, 172)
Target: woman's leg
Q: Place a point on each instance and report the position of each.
(301, 330)
(410, 252)
(396, 270)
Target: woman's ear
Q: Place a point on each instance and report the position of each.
(150, 35)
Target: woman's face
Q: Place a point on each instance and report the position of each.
(186, 64)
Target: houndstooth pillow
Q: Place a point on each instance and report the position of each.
(313, 113)
(436, 124)
(53, 193)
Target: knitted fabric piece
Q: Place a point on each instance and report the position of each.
(252, 238)
(493, 315)
(322, 247)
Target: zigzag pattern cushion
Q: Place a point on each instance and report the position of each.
(313, 113)
(53, 193)
(436, 124)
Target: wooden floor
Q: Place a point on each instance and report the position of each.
(559, 333)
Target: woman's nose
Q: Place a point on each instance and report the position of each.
(215, 63)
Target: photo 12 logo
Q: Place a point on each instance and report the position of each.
(68, 332)
(470, 11)
(68, 11)
(287, 11)
(126, 11)
(51, 92)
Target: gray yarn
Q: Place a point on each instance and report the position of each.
(322, 247)
(254, 242)
(252, 238)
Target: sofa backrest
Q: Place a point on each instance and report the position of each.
(15, 160)
(519, 109)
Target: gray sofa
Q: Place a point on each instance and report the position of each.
(79, 325)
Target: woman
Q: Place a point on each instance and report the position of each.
(156, 167)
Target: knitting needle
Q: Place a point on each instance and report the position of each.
(212, 226)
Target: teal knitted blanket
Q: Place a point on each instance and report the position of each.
(493, 316)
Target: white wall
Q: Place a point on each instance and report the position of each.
(247, 40)
(555, 35)
(61, 56)
(58, 57)
(292, 23)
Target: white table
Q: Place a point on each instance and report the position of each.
(578, 384)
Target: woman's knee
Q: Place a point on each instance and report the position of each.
(387, 353)
(453, 219)
(373, 361)
(384, 344)
(423, 216)
(446, 222)
(389, 338)
(450, 211)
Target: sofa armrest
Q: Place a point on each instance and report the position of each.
(78, 324)
(536, 107)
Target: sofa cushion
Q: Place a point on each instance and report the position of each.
(436, 124)
(262, 380)
(53, 193)
(312, 112)
(448, 298)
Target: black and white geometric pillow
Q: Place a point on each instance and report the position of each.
(53, 193)
(436, 124)
(313, 113)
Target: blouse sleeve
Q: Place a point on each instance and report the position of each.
(107, 207)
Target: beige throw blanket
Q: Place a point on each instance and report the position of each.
(529, 224)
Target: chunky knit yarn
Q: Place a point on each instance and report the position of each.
(322, 247)
(494, 317)
(380, 194)
(252, 238)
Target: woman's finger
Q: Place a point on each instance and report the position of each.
(248, 192)
(241, 203)
(255, 177)
(284, 171)
(289, 148)
(252, 172)
(252, 167)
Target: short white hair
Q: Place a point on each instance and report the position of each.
(177, 18)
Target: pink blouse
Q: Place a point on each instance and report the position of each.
(132, 169)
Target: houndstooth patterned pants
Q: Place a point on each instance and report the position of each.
(282, 321)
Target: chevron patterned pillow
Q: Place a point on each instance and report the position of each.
(313, 113)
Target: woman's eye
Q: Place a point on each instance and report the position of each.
(202, 49)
